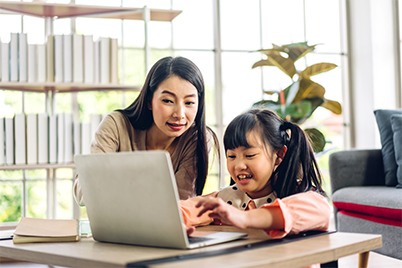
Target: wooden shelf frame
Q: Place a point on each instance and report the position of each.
(54, 10)
(38, 166)
(65, 87)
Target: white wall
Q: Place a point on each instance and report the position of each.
(373, 47)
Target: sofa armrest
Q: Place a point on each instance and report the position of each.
(356, 168)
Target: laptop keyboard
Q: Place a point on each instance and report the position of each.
(198, 239)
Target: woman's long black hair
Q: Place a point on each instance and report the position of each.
(298, 172)
(141, 117)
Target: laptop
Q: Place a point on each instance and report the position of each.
(132, 198)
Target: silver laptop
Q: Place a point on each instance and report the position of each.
(132, 198)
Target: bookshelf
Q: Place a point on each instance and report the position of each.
(54, 11)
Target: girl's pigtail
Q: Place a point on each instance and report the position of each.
(298, 171)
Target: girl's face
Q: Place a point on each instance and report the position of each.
(174, 106)
(251, 168)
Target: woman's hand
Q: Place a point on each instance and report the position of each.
(219, 210)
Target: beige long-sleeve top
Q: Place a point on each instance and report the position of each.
(116, 134)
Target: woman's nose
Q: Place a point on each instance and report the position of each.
(179, 112)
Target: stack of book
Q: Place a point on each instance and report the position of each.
(43, 139)
(70, 58)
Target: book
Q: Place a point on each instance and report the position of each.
(85, 138)
(5, 60)
(67, 58)
(32, 138)
(20, 139)
(50, 58)
(96, 62)
(41, 63)
(104, 60)
(60, 138)
(30, 230)
(2, 142)
(77, 138)
(43, 138)
(58, 59)
(9, 137)
(22, 57)
(32, 66)
(88, 59)
(53, 139)
(114, 61)
(14, 57)
(68, 138)
(78, 61)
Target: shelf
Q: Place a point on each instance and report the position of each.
(37, 166)
(65, 87)
(41, 9)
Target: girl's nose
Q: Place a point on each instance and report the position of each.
(240, 165)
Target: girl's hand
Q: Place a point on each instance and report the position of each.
(219, 210)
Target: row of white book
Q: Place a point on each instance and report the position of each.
(70, 58)
(34, 139)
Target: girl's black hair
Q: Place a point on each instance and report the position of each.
(141, 117)
(298, 171)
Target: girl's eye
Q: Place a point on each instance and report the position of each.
(250, 155)
(231, 156)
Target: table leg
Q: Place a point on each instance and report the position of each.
(363, 259)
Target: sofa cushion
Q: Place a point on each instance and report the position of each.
(379, 201)
(396, 123)
(383, 118)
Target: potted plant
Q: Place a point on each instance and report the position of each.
(303, 96)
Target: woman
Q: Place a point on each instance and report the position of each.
(169, 114)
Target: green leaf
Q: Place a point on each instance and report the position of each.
(332, 106)
(285, 64)
(313, 104)
(309, 89)
(292, 92)
(261, 63)
(298, 50)
(317, 139)
(317, 69)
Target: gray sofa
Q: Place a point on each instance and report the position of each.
(362, 202)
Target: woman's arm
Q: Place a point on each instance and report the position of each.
(190, 212)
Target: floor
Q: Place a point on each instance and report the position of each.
(375, 261)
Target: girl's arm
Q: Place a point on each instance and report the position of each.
(293, 214)
(190, 212)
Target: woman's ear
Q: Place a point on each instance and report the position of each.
(280, 154)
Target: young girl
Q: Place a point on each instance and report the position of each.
(277, 182)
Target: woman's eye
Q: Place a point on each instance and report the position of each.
(190, 103)
(167, 101)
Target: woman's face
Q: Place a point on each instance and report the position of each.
(251, 168)
(174, 106)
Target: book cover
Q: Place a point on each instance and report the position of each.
(14, 57)
(60, 138)
(114, 61)
(50, 58)
(22, 57)
(5, 60)
(104, 60)
(20, 139)
(86, 138)
(45, 230)
(53, 139)
(9, 136)
(41, 63)
(43, 138)
(68, 138)
(32, 68)
(77, 138)
(58, 59)
(2, 142)
(88, 59)
(32, 138)
(68, 58)
(78, 61)
(96, 62)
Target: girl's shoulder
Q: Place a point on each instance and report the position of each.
(234, 196)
